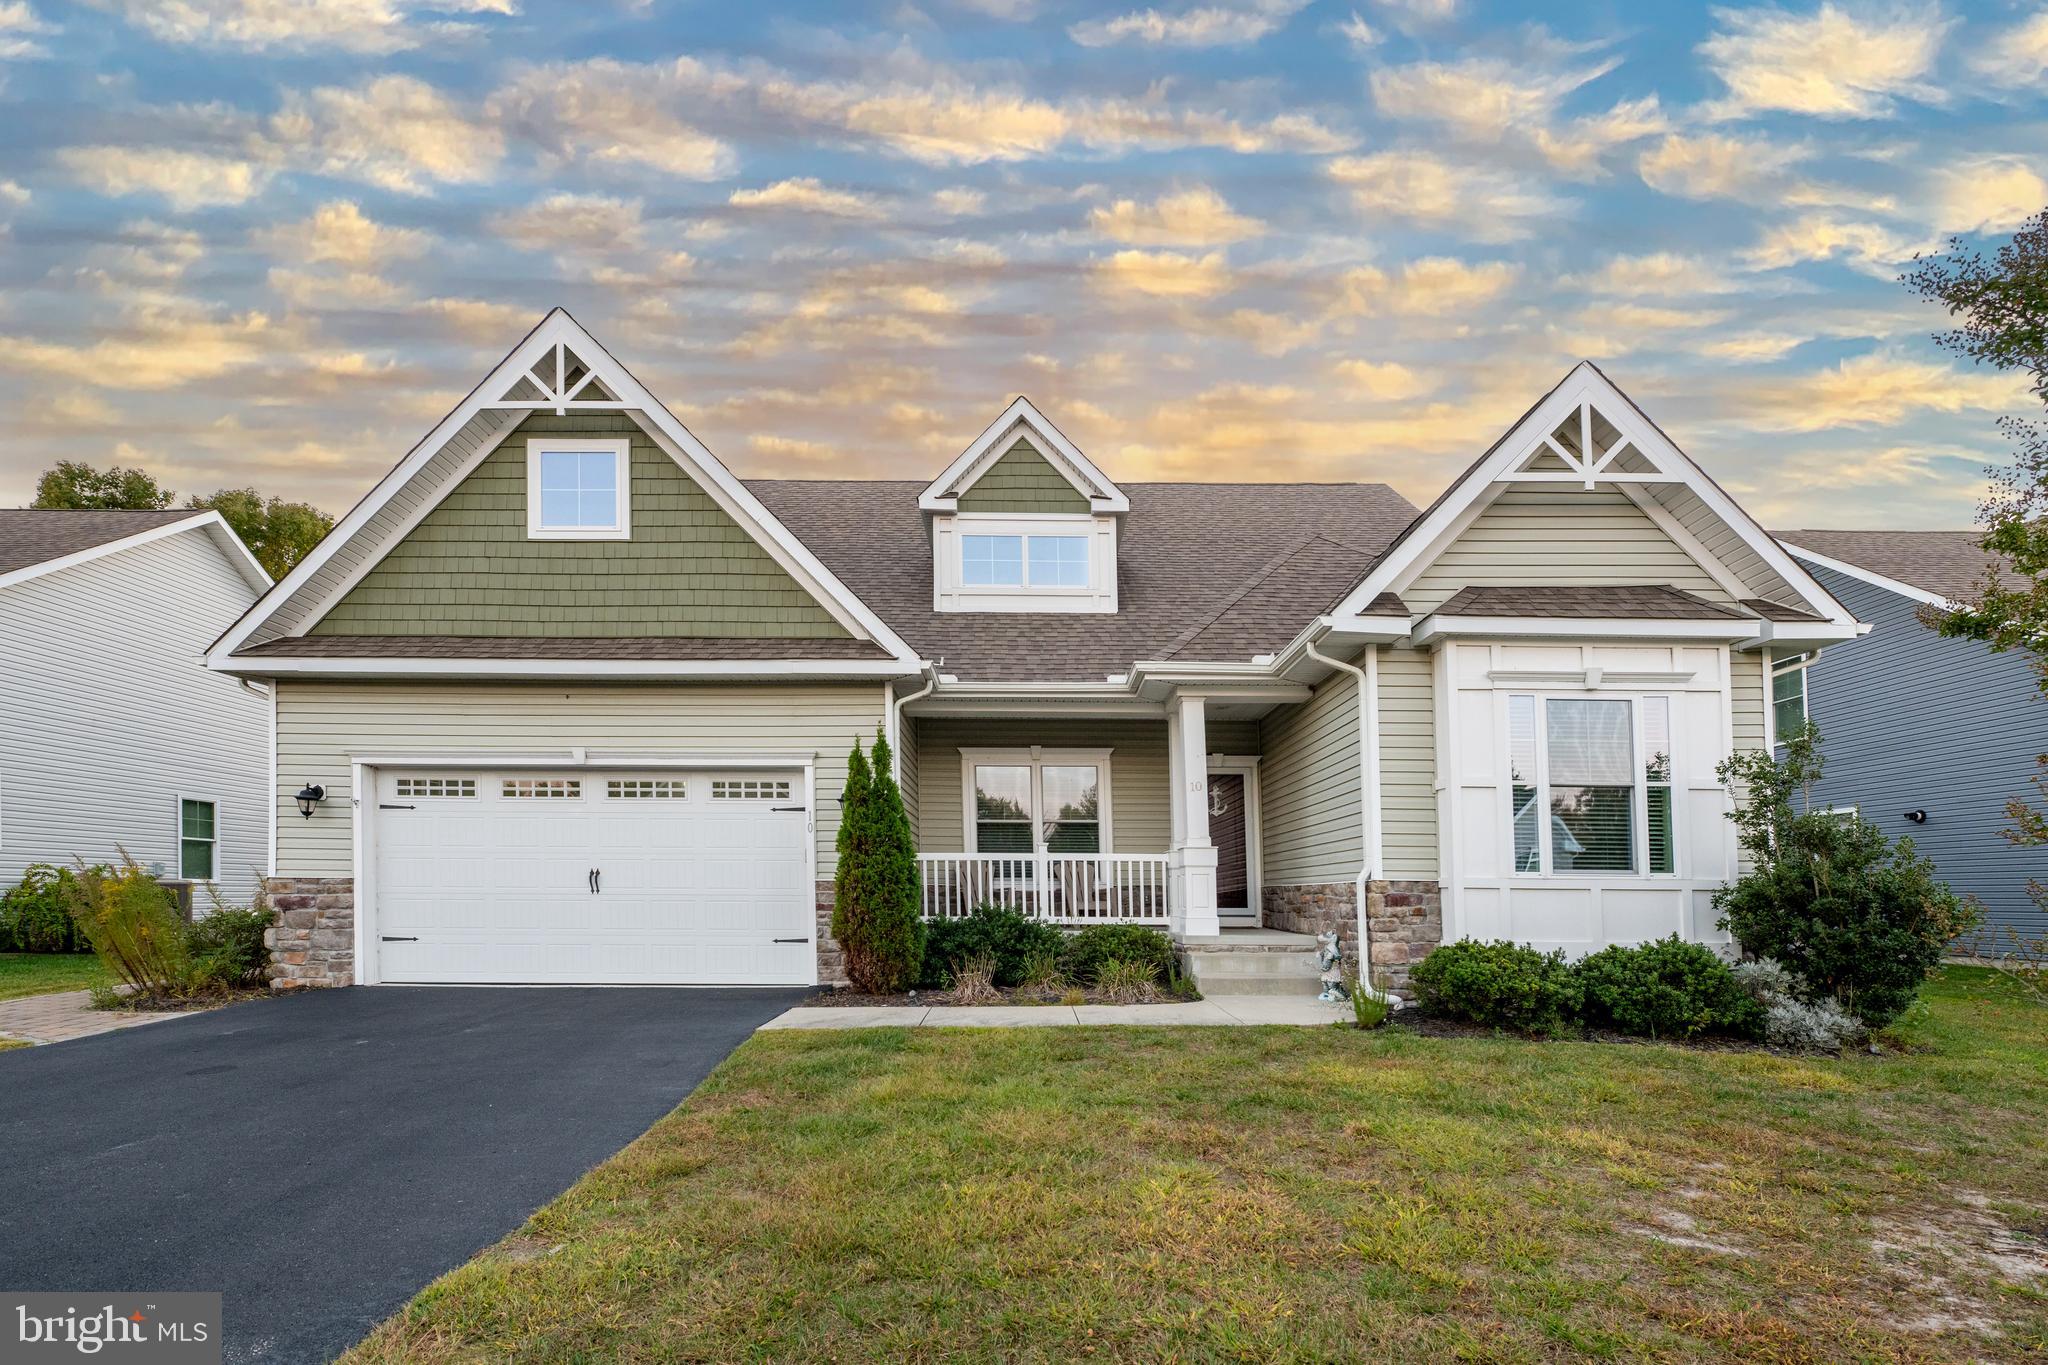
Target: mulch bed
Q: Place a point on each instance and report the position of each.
(1014, 995)
(184, 1004)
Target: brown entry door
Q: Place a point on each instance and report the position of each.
(1227, 832)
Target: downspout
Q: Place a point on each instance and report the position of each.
(896, 705)
(1368, 766)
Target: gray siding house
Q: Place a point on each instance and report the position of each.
(1926, 736)
(578, 700)
(117, 735)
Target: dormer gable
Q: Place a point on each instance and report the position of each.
(1022, 521)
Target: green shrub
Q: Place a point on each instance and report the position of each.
(134, 929)
(226, 947)
(1372, 1002)
(1084, 954)
(1126, 983)
(1856, 918)
(876, 902)
(1015, 945)
(1501, 985)
(32, 914)
(1791, 1021)
(1666, 989)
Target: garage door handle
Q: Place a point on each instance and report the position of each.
(394, 938)
(793, 808)
(384, 807)
(792, 940)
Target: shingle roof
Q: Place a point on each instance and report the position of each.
(1778, 611)
(479, 647)
(1947, 563)
(1645, 602)
(35, 535)
(1206, 571)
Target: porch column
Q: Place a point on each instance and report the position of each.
(1191, 863)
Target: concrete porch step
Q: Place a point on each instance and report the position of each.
(1253, 962)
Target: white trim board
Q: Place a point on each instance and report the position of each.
(1870, 576)
(559, 329)
(1585, 386)
(211, 522)
(1020, 417)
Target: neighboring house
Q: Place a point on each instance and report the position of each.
(1922, 735)
(578, 700)
(117, 735)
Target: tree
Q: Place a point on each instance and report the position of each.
(2001, 305)
(876, 895)
(1858, 919)
(72, 485)
(277, 532)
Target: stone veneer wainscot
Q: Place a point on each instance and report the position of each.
(1405, 919)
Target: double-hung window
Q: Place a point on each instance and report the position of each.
(1788, 695)
(1023, 804)
(1590, 785)
(1024, 561)
(198, 841)
(578, 489)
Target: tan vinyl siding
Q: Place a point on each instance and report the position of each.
(1022, 480)
(689, 569)
(1749, 698)
(1553, 534)
(1139, 817)
(907, 761)
(1309, 802)
(1407, 765)
(320, 724)
(1233, 736)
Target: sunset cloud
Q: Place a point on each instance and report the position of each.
(1876, 389)
(1195, 217)
(1166, 274)
(1836, 62)
(365, 26)
(807, 195)
(1472, 201)
(1431, 286)
(1210, 25)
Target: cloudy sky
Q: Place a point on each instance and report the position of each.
(270, 242)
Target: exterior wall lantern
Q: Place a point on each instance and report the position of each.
(310, 797)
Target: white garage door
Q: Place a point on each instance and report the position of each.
(694, 878)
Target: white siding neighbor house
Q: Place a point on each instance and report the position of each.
(578, 701)
(116, 734)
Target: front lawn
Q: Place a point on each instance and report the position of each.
(1306, 1194)
(40, 973)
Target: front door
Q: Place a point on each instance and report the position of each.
(1230, 832)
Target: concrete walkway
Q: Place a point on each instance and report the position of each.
(1216, 1010)
(63, 1015)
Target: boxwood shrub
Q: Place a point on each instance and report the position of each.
(1084, 954)
(1500, 985)
(1008, 939)
(1666, 989)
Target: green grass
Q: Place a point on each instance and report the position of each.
(1296, 1194)
(40, 973)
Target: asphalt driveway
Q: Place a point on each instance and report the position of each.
(319, 1158)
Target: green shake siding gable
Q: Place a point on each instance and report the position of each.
(1022, 481)
(688, 570)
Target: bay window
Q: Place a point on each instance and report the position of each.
(1590, 784)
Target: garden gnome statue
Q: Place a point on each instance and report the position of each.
(1331, 959)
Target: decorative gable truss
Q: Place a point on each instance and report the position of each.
(1583, 459)
(558, 369)
(1022, 521)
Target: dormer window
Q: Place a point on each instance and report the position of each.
(1022, 521)
(1023, 561)
(578, 489)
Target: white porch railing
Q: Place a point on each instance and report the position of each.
(1066, 888)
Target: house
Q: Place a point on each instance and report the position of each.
(118, 736)
(570, 702)
(1922, 735)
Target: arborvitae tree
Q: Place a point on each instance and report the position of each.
(876, 897)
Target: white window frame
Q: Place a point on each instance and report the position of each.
(620, 449)
(1797, 663)
(213, 860)
(1639, 801)
(952, 592)
(1037, 759)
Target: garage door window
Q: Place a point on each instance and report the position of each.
(1590, 784)
(543, 789)
(646, 789)
(749, 789)
(432, 787)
